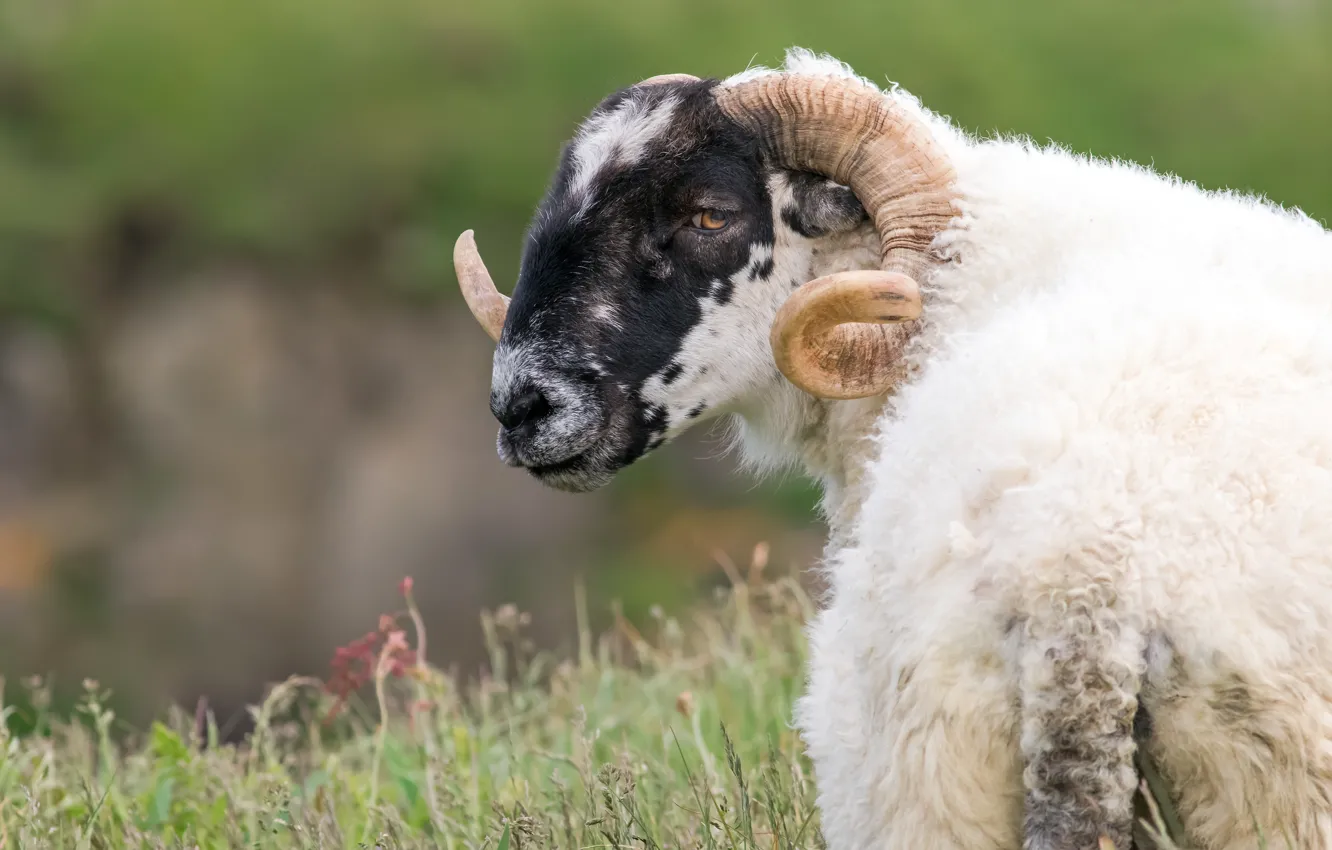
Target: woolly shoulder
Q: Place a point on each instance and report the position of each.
(1066, 404)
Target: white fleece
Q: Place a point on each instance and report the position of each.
(1109, 480)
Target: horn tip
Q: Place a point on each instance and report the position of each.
(667, 78)
(464, 249)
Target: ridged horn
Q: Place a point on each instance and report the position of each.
(488, 306)
(836, 337)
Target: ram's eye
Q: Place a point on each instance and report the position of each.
(709, 220)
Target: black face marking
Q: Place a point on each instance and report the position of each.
(649, 435)
(763, 270)
(697, 410)
(724, 289)
(614, 276)
(612, 273)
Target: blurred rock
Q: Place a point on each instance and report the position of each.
(292, 452)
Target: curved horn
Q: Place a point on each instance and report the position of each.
(830, 339)
(483, 299)
(813, 338)
(668, 78)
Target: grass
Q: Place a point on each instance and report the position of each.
(679, 738)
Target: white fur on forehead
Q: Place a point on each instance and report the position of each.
(619, 137)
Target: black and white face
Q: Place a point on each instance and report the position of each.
(650, 277)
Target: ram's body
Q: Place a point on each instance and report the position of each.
(1101, 496)
(1111, 477)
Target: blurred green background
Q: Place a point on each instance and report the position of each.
(239, 397)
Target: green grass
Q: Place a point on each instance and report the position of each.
(679, 737)
(676, 739)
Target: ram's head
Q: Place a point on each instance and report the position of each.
(665, 276)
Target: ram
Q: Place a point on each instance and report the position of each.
(1072, 420)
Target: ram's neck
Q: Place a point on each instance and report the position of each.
(829, 441)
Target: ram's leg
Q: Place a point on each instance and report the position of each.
(1080, 670)
(1243, 746)
(913, 738)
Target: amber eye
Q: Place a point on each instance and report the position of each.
(709, 220)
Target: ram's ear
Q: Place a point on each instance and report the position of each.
(821, 207)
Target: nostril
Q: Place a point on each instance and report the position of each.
(528, 406)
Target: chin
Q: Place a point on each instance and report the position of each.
(580, 474)
(591, 469)
(573, 480)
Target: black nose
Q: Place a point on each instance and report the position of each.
(528, 406)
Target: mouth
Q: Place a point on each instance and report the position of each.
(574, 475)
(573, 464)
(578, 473)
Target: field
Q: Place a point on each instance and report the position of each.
(678, 738)
(675, 738)
(177, 174)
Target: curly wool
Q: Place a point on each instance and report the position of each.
(1107, 487)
